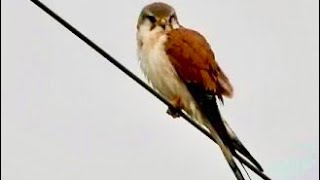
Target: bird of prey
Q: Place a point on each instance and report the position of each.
(181, 66)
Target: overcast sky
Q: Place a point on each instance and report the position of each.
(67, 114)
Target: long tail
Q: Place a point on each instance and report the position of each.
(237, 144)
(227, 154)
(213, 121)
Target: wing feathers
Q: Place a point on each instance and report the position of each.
(194, 61)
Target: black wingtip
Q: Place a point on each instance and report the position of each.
(243, 151)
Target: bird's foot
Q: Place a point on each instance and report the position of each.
(174, 112)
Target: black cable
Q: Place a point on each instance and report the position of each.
(135, 78)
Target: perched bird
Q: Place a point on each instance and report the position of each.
(180, 64)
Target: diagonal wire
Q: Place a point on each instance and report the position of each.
(136, 79)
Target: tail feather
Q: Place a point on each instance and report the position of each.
(237, 144)
(207, 103)
(239, 147)
(227, 154)
(212, 119)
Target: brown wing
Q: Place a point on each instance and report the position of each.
(194, 61)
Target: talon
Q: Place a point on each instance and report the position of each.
(177, 105)
(173, 112)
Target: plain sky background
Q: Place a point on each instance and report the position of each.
(67, 114)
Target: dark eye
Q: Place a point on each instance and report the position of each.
(152, 19)
(171, 18)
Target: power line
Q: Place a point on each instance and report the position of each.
(136, 79)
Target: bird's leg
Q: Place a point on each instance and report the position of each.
(176, 102)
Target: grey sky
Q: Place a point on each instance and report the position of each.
(69, 114)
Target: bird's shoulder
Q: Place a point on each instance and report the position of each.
(194, 60)
(188, 42)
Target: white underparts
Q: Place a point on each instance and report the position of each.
(159, 71)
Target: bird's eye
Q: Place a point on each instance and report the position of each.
(171, 18)
(152, 19)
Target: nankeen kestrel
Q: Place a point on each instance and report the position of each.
(180, 64)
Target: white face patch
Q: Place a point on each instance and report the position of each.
(145, 32)
(175, 24)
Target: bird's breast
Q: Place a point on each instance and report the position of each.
(157, 67)
(159, 71)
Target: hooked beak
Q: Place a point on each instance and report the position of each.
(162, 23)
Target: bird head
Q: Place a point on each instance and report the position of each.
(157, 17)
